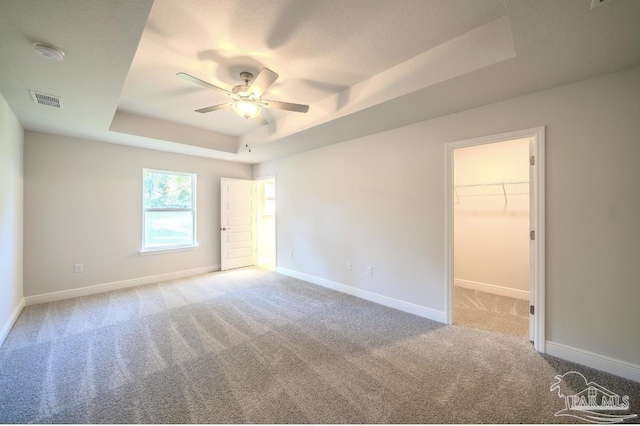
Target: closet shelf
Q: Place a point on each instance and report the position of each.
(501, 188)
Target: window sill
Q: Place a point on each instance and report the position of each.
(151, 251)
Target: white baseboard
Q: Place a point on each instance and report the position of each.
(491, 288)
(102, 288)
(12, 320)
(593, 360)
(401, 305)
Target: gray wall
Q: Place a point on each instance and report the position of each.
(379, 200)
(83, 204)
(11, 198)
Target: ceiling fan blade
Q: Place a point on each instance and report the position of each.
(214, 108)
(262, 81)
(202, 83)
(284, 106)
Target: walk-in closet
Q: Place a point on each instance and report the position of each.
(491, 236)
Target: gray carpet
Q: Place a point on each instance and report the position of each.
(487, 311)
(253, 346)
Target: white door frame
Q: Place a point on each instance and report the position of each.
(536, 214)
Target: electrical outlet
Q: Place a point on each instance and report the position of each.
(78, 268)
(349, 266)
(292, 254)
(370, 270)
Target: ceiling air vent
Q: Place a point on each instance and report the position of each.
(44, 99)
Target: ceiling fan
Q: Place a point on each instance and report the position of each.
(247, 98)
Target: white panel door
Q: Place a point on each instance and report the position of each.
(237, 223)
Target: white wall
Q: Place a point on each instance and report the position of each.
(379, 200)
(11, 207)
(491, 237)
(83, 202)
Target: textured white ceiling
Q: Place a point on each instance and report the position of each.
(318, 48)
(99, 39)
(363, 65)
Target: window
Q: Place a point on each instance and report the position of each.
(169, 210)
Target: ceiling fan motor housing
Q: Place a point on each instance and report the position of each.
(242, 88)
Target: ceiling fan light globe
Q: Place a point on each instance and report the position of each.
(246, 109)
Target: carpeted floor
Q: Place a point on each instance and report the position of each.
(253, 346)
(492, 312)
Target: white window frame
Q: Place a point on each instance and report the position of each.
(182, 247)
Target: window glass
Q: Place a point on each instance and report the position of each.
(169, 209)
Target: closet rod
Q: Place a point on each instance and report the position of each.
(504, 191)
(516, 182)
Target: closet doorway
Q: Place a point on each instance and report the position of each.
(495, 234)
(266, 222)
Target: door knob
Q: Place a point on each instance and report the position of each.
(224, 229)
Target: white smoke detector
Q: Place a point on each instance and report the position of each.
(49, 52)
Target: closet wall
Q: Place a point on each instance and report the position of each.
(491, 220)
